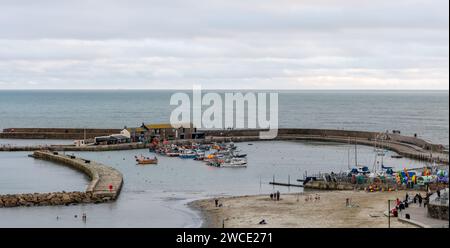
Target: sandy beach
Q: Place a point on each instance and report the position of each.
(293, 211)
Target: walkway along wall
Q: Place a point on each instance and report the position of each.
(105, 185)
(56, 133)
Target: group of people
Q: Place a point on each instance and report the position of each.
(310, 198)
(83, 217)
(218, 205)
(419, 199)
(275, 196)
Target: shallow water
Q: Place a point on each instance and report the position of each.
(156, 195)
(21, 174)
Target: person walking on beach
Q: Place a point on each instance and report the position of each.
(278, 195)
(216, 201)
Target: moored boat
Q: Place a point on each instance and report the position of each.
(234, 163)
(146, 160)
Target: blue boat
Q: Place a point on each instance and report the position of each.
(188, 155)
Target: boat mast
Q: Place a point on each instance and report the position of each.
(356, 153)
(348, 154)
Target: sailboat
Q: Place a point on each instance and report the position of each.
(380, 150)
(357, 169)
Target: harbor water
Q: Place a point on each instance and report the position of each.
(156, 195)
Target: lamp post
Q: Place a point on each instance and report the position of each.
(389, 213)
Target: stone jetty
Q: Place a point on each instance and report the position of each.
(55, 133)
(73, 148)
(105, 185)
(411, 147)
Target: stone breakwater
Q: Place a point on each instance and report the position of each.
(72, 148)
(56, 133)
(105, 185)
(49, 199)
(411, 147)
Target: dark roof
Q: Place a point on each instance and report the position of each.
(118, 137)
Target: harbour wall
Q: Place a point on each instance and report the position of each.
(438, 211)
(411, 147)
(55, 133)
(348, 134)
(105, 185)
(438, 207)
(91, 148)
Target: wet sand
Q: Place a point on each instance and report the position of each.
(292, 211)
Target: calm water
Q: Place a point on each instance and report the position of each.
(425, 113)
(21, 174)
(155, 196)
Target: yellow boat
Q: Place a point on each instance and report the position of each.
(143, 160)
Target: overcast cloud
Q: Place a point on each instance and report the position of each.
(277, 44)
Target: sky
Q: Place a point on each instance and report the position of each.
(224, 44)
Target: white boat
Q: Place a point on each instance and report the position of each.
(235, 163)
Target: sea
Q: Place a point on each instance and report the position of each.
(158, 195)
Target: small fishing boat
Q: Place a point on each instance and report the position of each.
(214, 163)
(239, 155)
(146, 160)
(234, 163)
(359, 170)
(188, 154)
(199, 157)
(172, 154)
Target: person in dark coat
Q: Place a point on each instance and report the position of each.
(420, 200)
(438, 192)
(278, 195)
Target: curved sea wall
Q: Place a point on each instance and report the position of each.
(105, 185)
(410, 147)
(285, 133)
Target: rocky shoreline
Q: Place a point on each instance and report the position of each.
(50, 199)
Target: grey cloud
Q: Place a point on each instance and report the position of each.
(223, 43)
